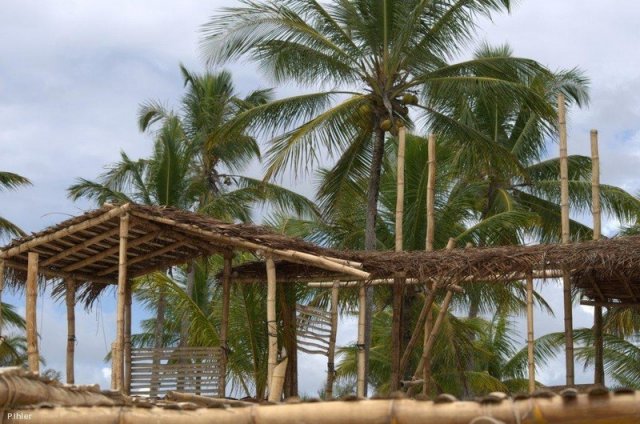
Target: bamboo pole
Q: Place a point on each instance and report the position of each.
(224, 331)
(430, 235)
(277, 381)
(118, 355)
(70, 299)
(431, 179)
(361, 381)
(564, 209)
(398, 286)
(127, 339)
(271, 321)
(599, 377)
(331, 353)
(32, 329)
(1, 289)
(530, 339)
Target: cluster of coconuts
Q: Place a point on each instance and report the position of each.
(407, 99)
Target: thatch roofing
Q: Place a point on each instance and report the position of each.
(86, 247)
(604, 270)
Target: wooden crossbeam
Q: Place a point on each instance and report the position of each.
(79, 276)
(78, 247)
(142, 258)
(111, 251)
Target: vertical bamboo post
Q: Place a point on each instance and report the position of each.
(431, 193)
(118, 355)
(32, 329)
(70, 300)
(224, 331)
(271, 321)
(1, 289)
(127, 339)
(564, 210)
(597, 230)
(361, 382)
(331, 353)
(430, 235)
(530, 342)
(398, 284)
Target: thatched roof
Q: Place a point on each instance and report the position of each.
(86, 247)
(605, 270)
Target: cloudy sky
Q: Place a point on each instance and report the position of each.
(72, 74)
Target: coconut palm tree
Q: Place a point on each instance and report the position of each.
(10, 181)
(381, 58)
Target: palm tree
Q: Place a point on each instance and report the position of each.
(10, 181)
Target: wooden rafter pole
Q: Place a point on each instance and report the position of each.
(272, 327)
(430, 235)
(564, 211)
(361, 377)
(530, 340)
(331, 353)
(118, 355)
(597, 232)
(224, 330)
(70, 300)
(1, 289)
(31, 318)
(398, 286)
(127, 338)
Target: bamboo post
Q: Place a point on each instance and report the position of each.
(398, 286)
(272, 328)
(530, 340)
(599, 377)
(331, 353)
(277, 381)
(118, 354)
(224, 331)
(1, 289)
(70, 299)
(431, 180)
(564, 210)
(127, 339)
(361, 382)
(430, 235)
(32, 329)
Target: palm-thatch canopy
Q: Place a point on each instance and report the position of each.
(86, 247)
(605, 271)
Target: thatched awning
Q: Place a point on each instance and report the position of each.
(605, 271)
(86, 247)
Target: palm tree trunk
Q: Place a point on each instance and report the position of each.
(370, 240)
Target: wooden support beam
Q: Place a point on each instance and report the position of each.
(428, 346)
(610, 304)
(70, 300)
(31, 318)
(272, 327)
(398, 286)
(564, 211)
(78, 276)
(224, 330)
(79, 247)
(431, 196)
(147, 256)
(127, 337)
(118, 355)
(26, 246)
(361, 377)
(111, 251)
(331, 353)
(291, 255)
(530, 339)
(1, 289)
